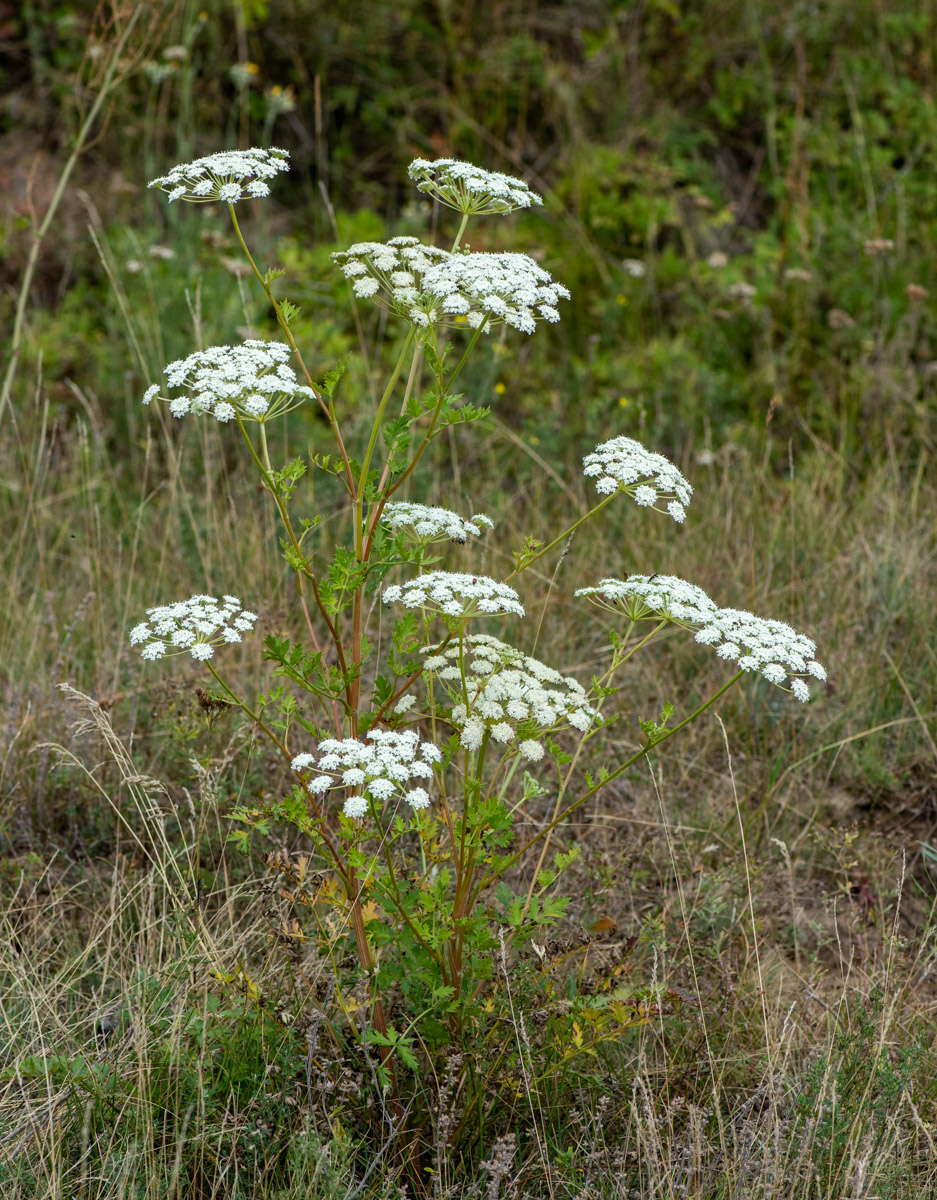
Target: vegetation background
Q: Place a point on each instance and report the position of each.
(742, 197)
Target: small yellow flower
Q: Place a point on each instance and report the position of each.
(623, 401)
(252, 67)
(500, 389)
(621, 299)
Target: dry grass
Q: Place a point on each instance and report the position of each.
(782, 885)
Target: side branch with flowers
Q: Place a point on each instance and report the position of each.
(411, 765)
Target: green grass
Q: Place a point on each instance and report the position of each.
(771, 866)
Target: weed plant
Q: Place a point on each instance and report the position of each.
(739, 202)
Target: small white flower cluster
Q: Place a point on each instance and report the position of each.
(511, 696)
(227, 176)
(253, 381)
(430, 286)
(426, 523)
(392, 272)
(381, 766)
(455, 595)
(772, 648)
(624, 465)
(470, 189)
(197, 625)
(662, 597)
(510, 287)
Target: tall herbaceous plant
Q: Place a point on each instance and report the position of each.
(414, 753)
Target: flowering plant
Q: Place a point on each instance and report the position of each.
(405, 748)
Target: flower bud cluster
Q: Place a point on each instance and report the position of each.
(227, 176)
(252, 381)
(197, 625)
(470, 189)
(455, 595)
(506, 694)
(425, 524)
(624, 465)
(377, 768)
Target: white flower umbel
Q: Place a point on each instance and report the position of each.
(624, 465)
(376, 769)
(653, 597)
(470, 189)
(771, 648)
(228, 176)
(391, 273)
(512, 697)
(455, 596)
(195, 626)
(253, 381)
(510, 287)
(424, 524)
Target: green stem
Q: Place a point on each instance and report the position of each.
(261, 724)
(372, 440)
(284, 325)
(458, 236)
(263, 446)
(302, 569)
(491, 876)
(556, 541)
(468, 350)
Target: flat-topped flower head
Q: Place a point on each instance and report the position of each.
(652, 481)
(470, 189)
(424, 524)
(510, 287)
(508, 695)
(253, 381)
(391, 273)
(455, 596)
(653, 598)
(196, 626)
(373, 770)
(771, 648)
(228, 176)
